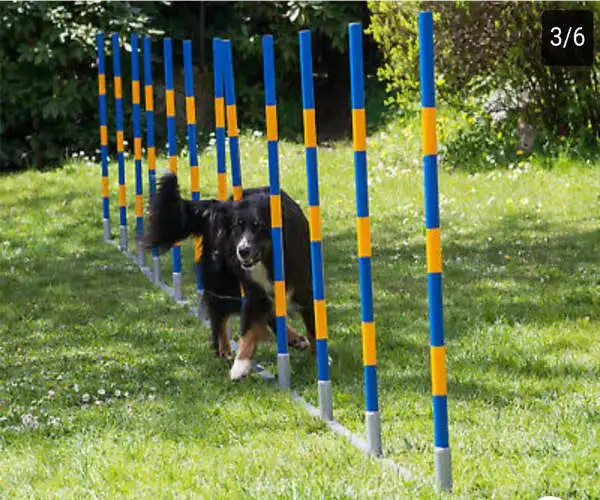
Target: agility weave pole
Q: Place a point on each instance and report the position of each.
(150, 145)
(219, 94)
(283, 357)
(358, 132)
(314, 208)
(363, 227)
(190, 114)
(137, 148)
(172, 150)
(118, 91)
(442, 458)
(103, 135)
(226, 67)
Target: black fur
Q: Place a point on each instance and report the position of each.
(173, 219)
(222, 225)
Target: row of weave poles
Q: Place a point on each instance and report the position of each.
(226, 124)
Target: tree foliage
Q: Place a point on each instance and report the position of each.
(48, 90)
(48, 85)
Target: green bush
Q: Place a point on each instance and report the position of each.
(488, 65)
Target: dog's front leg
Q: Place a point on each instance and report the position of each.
(242, 366)
(253, 322)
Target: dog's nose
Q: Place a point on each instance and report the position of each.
(244, 251)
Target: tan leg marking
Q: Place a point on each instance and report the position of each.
(242, 365)
(225, 350)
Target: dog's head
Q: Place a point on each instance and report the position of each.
(251, 230)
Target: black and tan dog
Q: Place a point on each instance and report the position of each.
(237, 250)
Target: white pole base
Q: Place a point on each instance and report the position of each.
(325, 400)
(373, 433)
(141, 255)
(177, 287)
(442, 463)
(106, 227)
(284, 371)
(123, 240)
(155, 268)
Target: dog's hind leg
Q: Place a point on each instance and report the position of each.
(294, 339)
(225, 350)
(220, 339)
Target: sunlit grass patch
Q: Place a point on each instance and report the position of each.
(108, 388)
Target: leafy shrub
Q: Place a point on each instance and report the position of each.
(488, 66)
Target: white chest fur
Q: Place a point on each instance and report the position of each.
(259, 275)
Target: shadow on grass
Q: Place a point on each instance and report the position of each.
(94, 321)
(549, 279)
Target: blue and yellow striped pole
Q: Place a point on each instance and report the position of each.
(316, 245)
(219, 119)
(118, 90)
(137, 146)
(150, 145)
(442, 459)
(232, 123)
(190, 114)
(283, 358)
(363, 227)
(103, 135)
(172, 151)
(226, 67)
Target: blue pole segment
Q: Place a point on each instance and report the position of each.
(442, 459)
(119, 127)
(149, 106)
(316, 246)
(103, 130)
(275, 194)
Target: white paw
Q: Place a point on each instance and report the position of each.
(240, 369)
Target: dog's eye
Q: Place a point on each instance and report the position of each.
(256, 224)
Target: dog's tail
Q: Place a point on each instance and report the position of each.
(172, 218)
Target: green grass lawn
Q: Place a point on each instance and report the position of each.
(108, 389)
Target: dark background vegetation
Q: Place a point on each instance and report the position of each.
(487, 56)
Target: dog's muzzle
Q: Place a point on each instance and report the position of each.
(247, 256)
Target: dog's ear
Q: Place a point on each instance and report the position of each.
(220, 220)
(199, 213)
